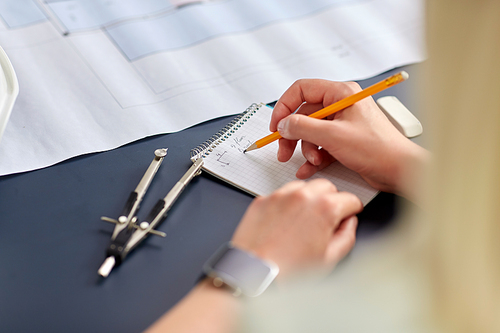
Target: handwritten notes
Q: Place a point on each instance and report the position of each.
(259, 172)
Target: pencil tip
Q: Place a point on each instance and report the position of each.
(252, 147)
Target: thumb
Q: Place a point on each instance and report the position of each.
(317, 131)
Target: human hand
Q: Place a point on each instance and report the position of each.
(301, 224)
(360, 137)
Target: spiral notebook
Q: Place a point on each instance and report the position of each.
(258, 172)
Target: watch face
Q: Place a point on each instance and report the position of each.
(242, 270)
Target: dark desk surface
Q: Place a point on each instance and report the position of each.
(52, 240)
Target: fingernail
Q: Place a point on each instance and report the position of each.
(282, 126)
(310, 158)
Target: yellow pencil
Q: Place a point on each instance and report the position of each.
(340, 105)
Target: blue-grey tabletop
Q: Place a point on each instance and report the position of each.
(52, 240)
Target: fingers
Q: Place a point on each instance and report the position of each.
(341, 209)
(299, 92)
(315, 131)
(308, 169)
(312, 91)
(332, 203)
(342, 241)
(312, 153)
(343, 205)
(294, 225)
(286, 149)
(307, 96)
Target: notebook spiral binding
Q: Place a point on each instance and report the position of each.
(208, 146)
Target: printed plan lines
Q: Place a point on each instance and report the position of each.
(96, 74)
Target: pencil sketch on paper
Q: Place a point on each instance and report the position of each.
(220, 158)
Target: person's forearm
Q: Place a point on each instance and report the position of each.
(205, 309)
(412, 165)
(302, 225)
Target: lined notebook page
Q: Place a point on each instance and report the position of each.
(259, 172)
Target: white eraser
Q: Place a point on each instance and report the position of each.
(405, 75)
(400, 116)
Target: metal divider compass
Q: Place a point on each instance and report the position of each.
(128, 233)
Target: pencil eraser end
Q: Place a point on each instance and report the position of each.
(400, 116)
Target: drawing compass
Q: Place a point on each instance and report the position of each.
(128, 232)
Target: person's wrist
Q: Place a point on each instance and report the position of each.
(239, 270)
(211, 284)
(411, 165)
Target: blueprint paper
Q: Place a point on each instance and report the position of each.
(77, 15)
(208, 22)
(21, 12)
(97, 74)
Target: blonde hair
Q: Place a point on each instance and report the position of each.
(462, 91)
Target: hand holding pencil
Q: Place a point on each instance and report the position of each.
(339, 105)
(359, 136)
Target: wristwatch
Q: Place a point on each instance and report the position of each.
(241, 271)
